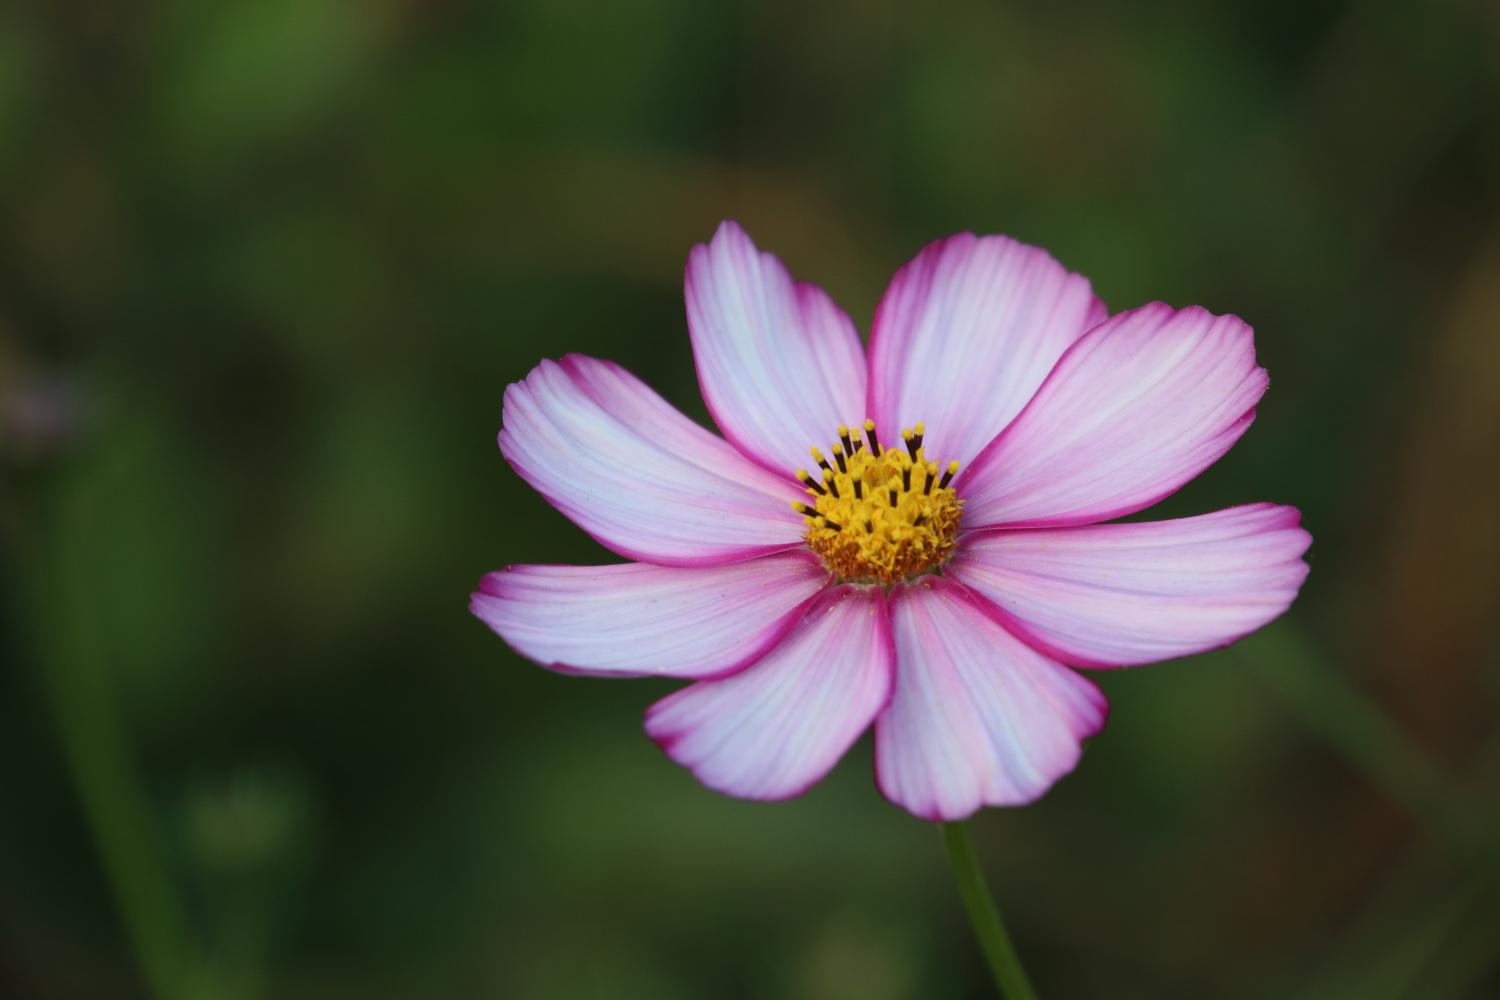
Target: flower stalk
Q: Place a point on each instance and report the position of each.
(1010, 978)
(53, 551)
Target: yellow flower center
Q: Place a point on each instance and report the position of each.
(880, 515)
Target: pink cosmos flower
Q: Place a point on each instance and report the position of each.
(940, 568)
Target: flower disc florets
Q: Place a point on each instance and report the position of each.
(880, 515)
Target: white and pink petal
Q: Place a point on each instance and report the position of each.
(966, 333)
(636, 474)
(1137, 407)
(774, 730)
(978, 717)
(780, 365)
(1114, 595)
(637, 620)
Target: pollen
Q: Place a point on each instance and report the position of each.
(877, 514)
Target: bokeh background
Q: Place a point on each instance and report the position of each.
(266, 267)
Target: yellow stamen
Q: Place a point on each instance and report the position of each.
(881, 515)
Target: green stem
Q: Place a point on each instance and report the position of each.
(1010, 978)
(97, 750)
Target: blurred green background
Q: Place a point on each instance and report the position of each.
(266, 267)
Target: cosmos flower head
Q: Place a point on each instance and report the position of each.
(910, 536)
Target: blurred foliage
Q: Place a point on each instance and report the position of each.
(266, 267)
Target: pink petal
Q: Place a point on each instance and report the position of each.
(1114, 595)
(781, 366)
(774, 730)
(636, 474)
(637, 620)
(1136, 408)
(965, 334)
(978, 718)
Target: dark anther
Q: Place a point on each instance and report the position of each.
(809, 482)
(859, 492)
(893, 498)
(848, 444)
(838, 456)
(927, 489)
(833, 524)
(874, 441)
(906, 479)
(918, 522)
(947, 476)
